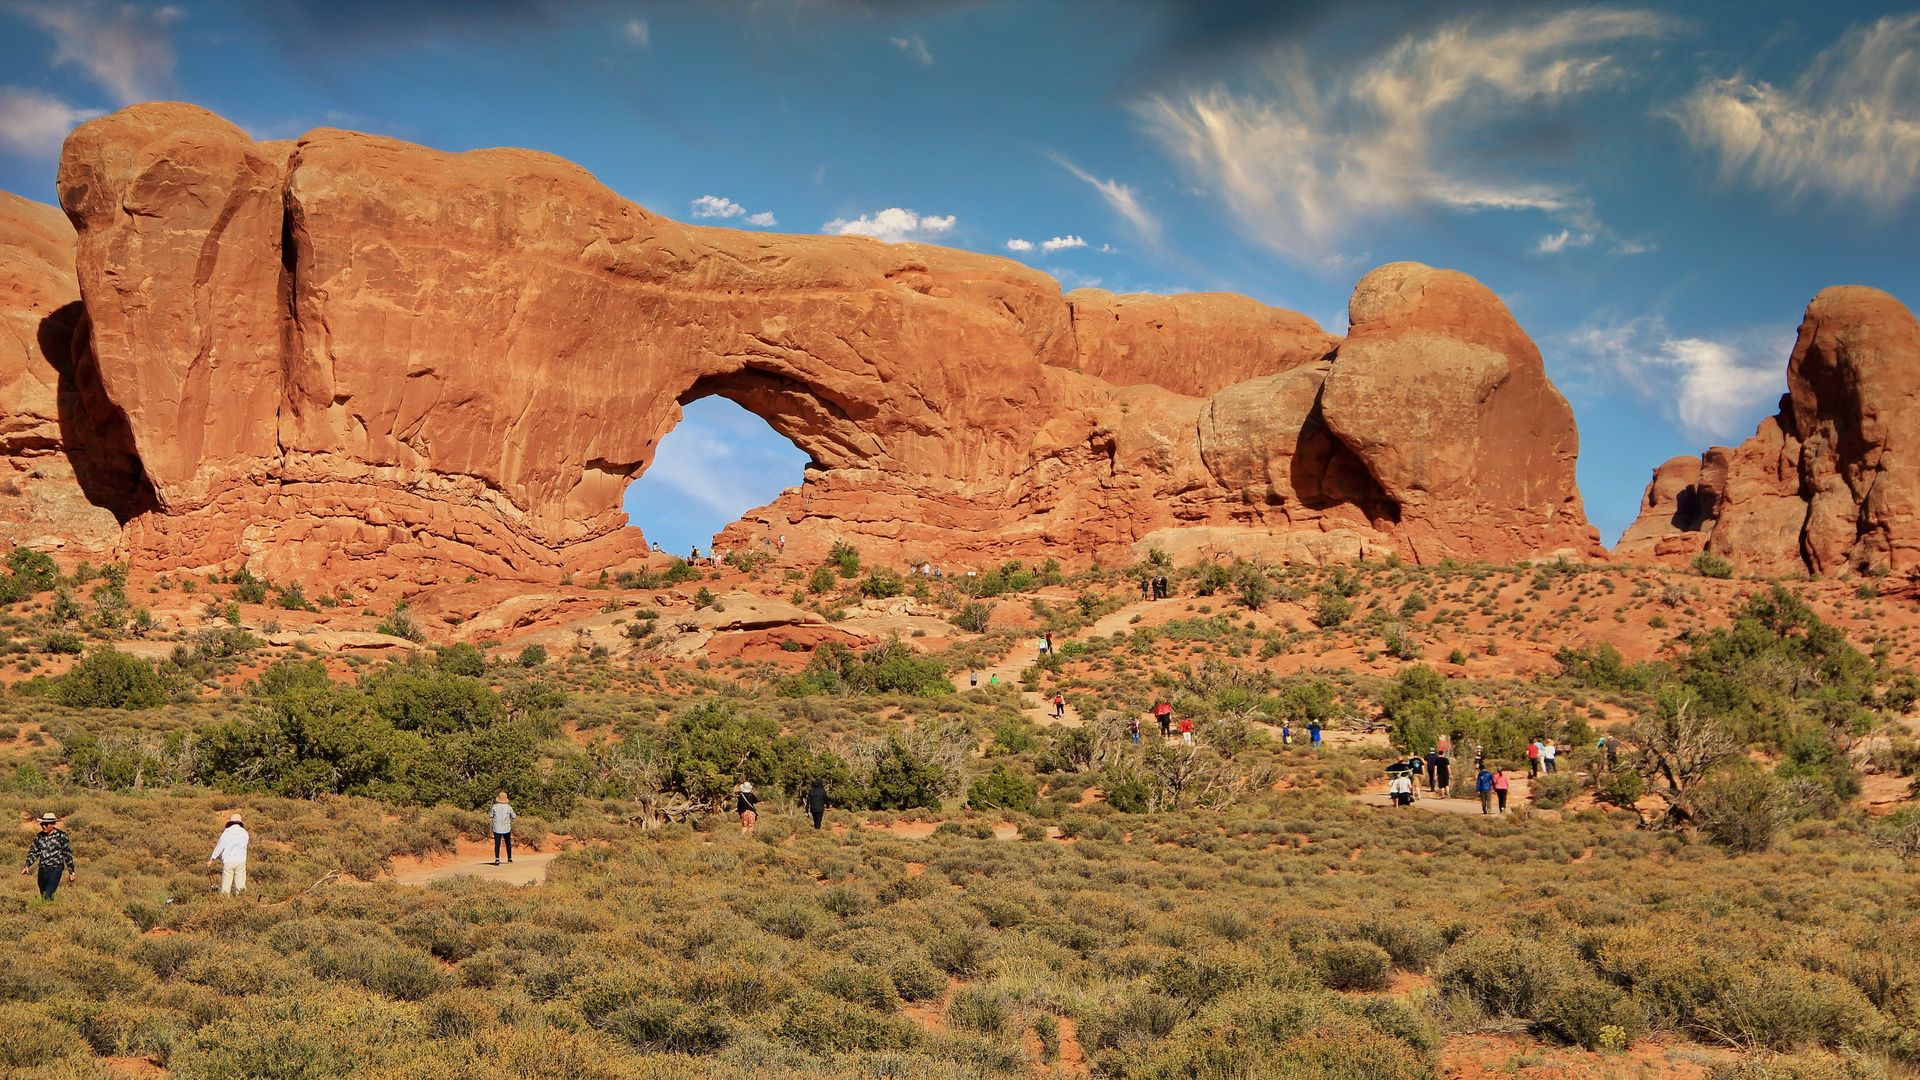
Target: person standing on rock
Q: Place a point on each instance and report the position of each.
(1484, 785)
(817, 801)
(780, 545)
(503, 816)
(744, 801)
(53, 852)
(231, 853)
(1500, 786)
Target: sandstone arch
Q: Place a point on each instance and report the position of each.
(352, 358)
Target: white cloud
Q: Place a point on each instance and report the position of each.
(124, 47)
(713, 206)
(638, 33)
(916, 48)
(1060, 242)
(1715, 388)
(1123, 200)
(892, 225)
(33, 123)
(1300, 162)
(765, 219)
(1850, 125)
(1019, 245)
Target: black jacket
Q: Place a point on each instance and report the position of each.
(817, 799)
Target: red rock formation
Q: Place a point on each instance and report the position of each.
(51, 456)
(350, 358)
(1671, 514)
(1833, 481)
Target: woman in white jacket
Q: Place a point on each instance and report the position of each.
(503, 816)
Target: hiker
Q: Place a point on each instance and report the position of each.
(973, 678)
(1445, 747)
(1479, 757)
(1613, 753)
(1484, 785)
(1059, 706)
(1163, 712)
(744, 801)
(1533, 759)
(1415, 766)
(1500, 785)
(1547, 753)
(780, 545)
(1313, 734)
(817, 801)
(1133, 729)
(1442, 769)
(1160, 588)
(1049, 643)
(1186, 731)
(993, 679)
(231, 853)
(1286, 733)
(53, 852)
(1146, 588)
(1433, 768)
(503, 816)
(1401, 790)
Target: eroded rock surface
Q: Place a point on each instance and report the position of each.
(349, 358)
(1830, 483)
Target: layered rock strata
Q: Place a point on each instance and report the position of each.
(351, 358)
(1829, 484)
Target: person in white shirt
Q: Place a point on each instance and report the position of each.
(1402, 790)
(231, 854)
(1548, 752)
(503, 816)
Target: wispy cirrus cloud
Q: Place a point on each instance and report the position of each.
(1714, 388)
(126, 48)
(1121, 199)
(36, 124)
(915, 47)
(1301, 156)
(894, 225)
(1849, 126)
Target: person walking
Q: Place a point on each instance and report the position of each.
(817, 801)
(1484, 785)
(1313, 734)
(780, 545)
(973, 678)
(1059, 706)
(1049, 643)
(1613, 753)
(1146, 588)
(1533, 759)
(1400, 789)
(1500, 785)
(1163, 712)
(1433, 768)
(744, 801)
(1160, 587)
(1133, 729)
(1445, 747)
(1442, 769)
(503, 815)
(231, 853)
(1286, 733)
(53, 852)
(1479, 757)
(1186, 731)
(1547, 753)
(993, 679)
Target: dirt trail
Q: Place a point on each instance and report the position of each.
(1038, 707)
(475, 860)
(1517, 797)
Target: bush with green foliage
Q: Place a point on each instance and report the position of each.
(1001, 790)
(533, 655)
(892, 667)
(1333, 610)
(1707, 564)
(110, 679)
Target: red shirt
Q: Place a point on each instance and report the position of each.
(1186, 725)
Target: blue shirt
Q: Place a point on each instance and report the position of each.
(1484, 782)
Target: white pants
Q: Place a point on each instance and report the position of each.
(233, 877)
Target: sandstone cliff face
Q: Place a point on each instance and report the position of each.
(49, 453)
(351, 358)
(1832, 482)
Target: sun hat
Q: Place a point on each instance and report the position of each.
(48, 819)
(746, 787)
(234, 818)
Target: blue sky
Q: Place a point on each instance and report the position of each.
(1656, 191)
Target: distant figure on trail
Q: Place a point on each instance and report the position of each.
(1442, 768)
(1313, 734)
(1433, 768)
(1059, 706)
(993, 679)
(1163, 712)
(780, 545)
(1547, 753)
(1049, 643)
(1613, 753)
(1445, 746)
(1415, 766)
(1500, 785)
(231, 853)
(1186, 731)
(1286, 733)
(53, 851)
(973, 678)
(817, 801)
(1160, 588)
(503, 816)
(1146, 588)
(744, 801)
(1533, 759)
(1479, 757)
(1484, 785)
(1133, 729)
(1401, 789)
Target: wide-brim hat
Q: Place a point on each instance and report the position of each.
(48, 819)
(746, 787)
(234, 819)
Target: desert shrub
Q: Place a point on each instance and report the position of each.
(859, 984)
(1744, 810)
(1764, 1010)
(672, 1026)
(1809, 1066)
(461, 658)
(1503, 974)
(1277, 1033)
(1551, 791)
(1623, 788)
(35, 1039)
(916, 980)
(1591, 1013)
(1333, 610)
(533, 656)
(1132, 1022)
(1001, 790)
(1707, 564)
(827, 1025)
(1353, 965)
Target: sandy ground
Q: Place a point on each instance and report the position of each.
(474, 859)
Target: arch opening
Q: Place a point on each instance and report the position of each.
(719, 462)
